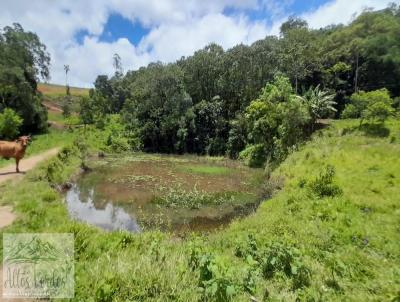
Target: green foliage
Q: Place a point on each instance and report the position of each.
(118, 138)
(374, 106)
(276, 123)
(254, 155)
(298, 53)
(160, 109)
(280, 90)
(378, 112)
(350, 111)
(237, 136)
(199, 104)
(177, 197)
(23, 59)
(319, 103)
(10, 123)
(275, 258)
(86, 110)
(215, 279)
(342, 250)
(323, 185)
(66, 106)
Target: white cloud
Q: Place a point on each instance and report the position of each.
(169, 42)
(340, 11)
(177, 28)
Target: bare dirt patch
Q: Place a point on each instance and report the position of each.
(6, 216)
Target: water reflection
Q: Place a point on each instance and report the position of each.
(110, 218)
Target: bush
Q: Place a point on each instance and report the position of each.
(216, 279)
(118, 139)
(323, 185)
(350, 111)
(374, 106)
(378, 112)
(66, 106)
(276, 258)
(254, 155)
(9, 124)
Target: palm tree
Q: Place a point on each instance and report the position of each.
(319, 103)
(66, 69)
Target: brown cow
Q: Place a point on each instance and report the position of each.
(14, 149)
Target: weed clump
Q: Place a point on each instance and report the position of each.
(276, 258)
(323, 185)
(216, 278)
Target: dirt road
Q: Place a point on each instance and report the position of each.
(25, 165)
(6, 214)
(8, 173)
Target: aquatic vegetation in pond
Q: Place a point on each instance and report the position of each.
(177, 197)
(166, 192)
(206, 169)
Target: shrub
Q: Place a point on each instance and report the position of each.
(254, 155)
(216, 279)
(275, 258)
(378, 112)
(374, 106)
(118, 138)
(323, 185)
(66, 106)
(350, 111)
(9, 124)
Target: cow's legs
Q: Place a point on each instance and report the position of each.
(17, 162)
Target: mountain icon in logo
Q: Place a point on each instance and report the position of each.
(34, 251)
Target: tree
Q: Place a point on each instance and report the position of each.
(117, 63)
(157, 104)
(275, 123)
(298, 52)
(293, 23)
(86, 110)
(237, 136)
(319, 103)
(23, 60)
(66, 106)
(66, 69)
(202, 72)
(9, 124)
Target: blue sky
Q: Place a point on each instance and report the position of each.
(118, 26)
(86, 34)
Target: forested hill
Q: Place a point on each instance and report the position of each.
(216, 101)
(257, 102)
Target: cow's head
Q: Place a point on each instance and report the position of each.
(24, 140)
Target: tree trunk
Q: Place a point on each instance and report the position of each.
(356, 76)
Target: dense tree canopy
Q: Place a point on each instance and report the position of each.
(242, 100)
(23, 60)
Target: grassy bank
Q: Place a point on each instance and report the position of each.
(331, 234)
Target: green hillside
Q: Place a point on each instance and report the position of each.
(54, 90)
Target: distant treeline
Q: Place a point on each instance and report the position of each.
(244, 101)
(203, 103)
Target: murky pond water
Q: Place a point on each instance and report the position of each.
(173, 193)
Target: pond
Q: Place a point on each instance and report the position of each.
(170, 193)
